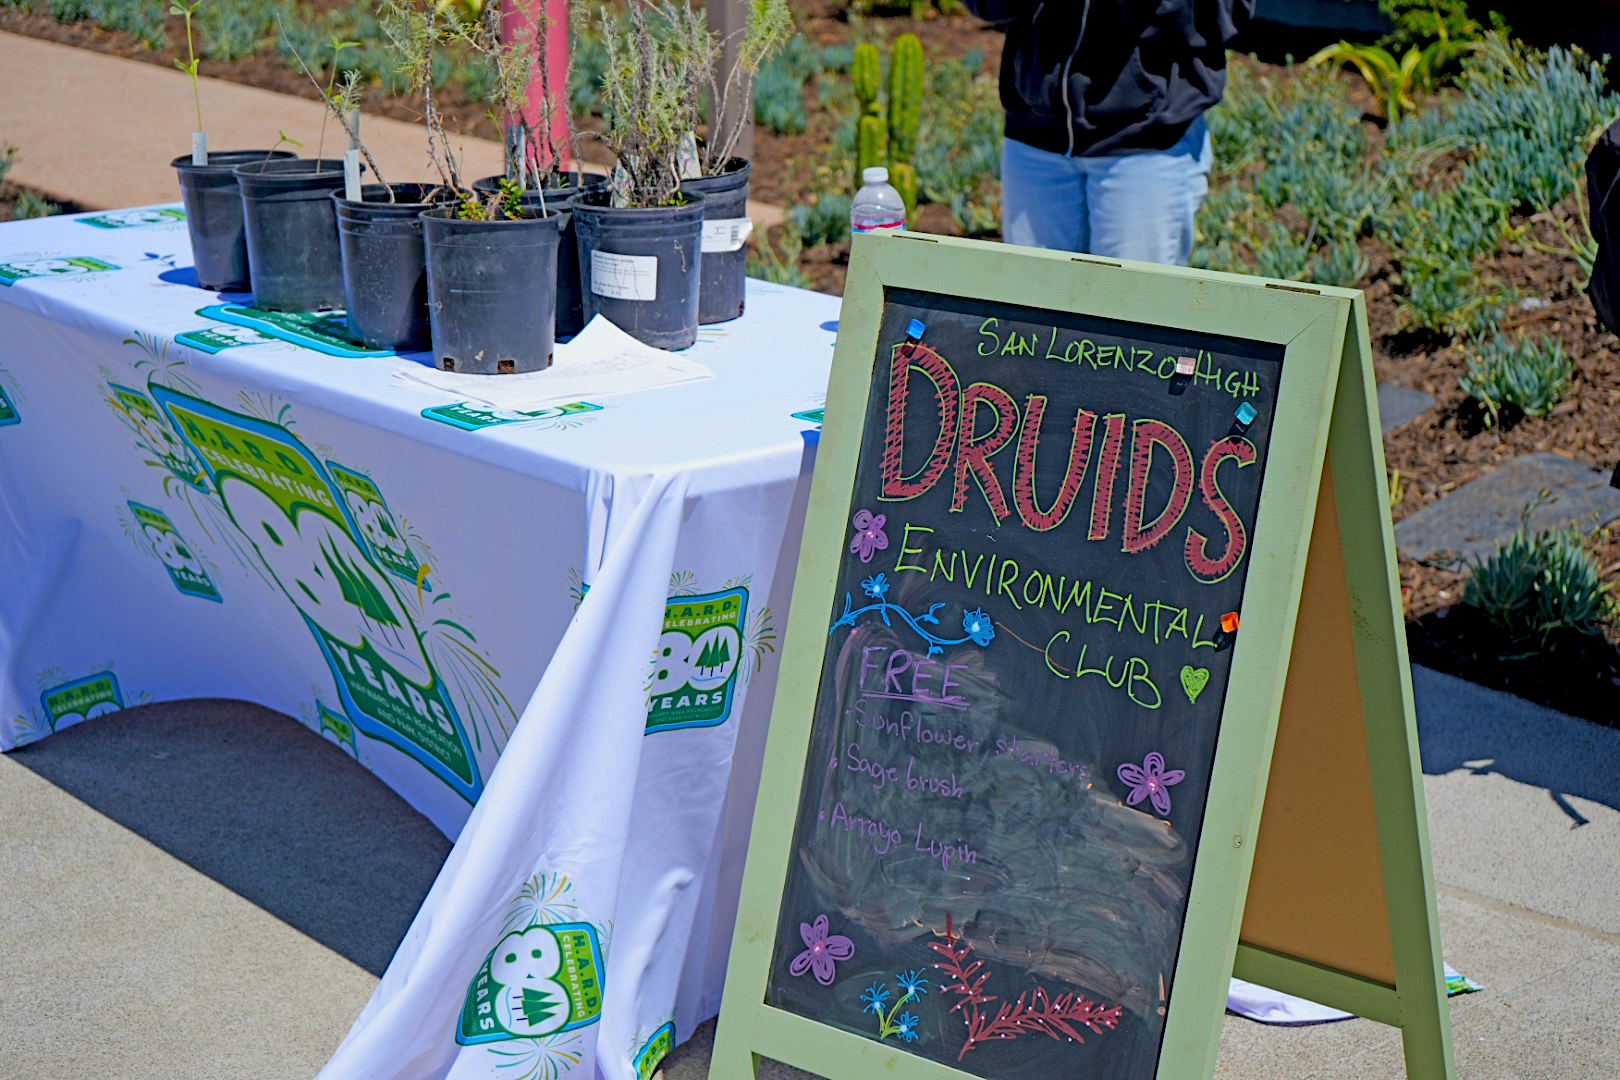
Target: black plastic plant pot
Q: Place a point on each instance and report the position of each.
(570, 306)
(725, 241)
(492, 290)
(292, 239)
(385, 264)
(214, 216)
(641, 269)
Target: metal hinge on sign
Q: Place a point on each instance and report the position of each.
(904, 235)
(1098, 262)
(1294, 288)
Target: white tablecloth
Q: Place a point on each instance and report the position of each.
(591, 597)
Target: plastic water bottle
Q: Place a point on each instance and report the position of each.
(877, 206)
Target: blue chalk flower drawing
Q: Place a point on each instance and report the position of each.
(976, 625)
(912, 982)
(912, 986)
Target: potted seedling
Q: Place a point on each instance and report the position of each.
(723, 179)
(292, 239)
(640, 238)
(379, 231)
(208, 189)
(534, 162)
(491, 257)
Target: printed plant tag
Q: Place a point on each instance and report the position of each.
(687, 163)
(727, 235)
(624, 277)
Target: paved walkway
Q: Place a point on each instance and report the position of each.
(100, 131)
(206, 889)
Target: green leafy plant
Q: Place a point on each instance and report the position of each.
(1537, 584)
(822, 219)
(1424, 20)
(29, 205)
(8, 158)
(647, 86)
(186, 11)
(697, 51)
(342, 101)
(1398, 84)
(1530, 374)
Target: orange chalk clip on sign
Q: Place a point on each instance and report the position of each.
(1229, 622)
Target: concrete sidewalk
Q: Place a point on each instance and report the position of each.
(205, 889)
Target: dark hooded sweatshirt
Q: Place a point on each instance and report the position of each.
(1097, 77)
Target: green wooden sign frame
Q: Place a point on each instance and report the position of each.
(1324, 404)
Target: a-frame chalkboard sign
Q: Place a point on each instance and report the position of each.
(1095, 688)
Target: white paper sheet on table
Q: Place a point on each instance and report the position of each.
(600, 361)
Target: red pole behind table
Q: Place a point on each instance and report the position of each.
(517, 15)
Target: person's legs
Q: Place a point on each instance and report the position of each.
(1043, 198)
(1142, 205)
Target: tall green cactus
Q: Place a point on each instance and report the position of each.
(905, 97)
(903, 175)
(871, 143)
(866, 70)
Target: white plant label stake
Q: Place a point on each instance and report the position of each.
(199, 147)
(351, 160)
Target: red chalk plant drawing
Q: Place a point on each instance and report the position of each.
(1061, 1017)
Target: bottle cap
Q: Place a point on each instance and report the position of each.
(876, 174)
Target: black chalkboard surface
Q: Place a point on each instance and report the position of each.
(1022, 685)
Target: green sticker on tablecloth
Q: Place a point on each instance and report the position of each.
(471, 415)
(93, 695)
(15, 270)
(324, 331)
(653, 1052)
(8, 411)
(537, 982)
(178, 557)
(134, 219)
(215, 339)
(339, 726)
(814, 416)
(695, 668)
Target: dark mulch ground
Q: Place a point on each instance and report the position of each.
(1429, 457)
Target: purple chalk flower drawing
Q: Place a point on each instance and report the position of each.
(1149, 780)
(869, 535)
(823, 951)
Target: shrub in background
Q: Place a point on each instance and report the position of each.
(822, 219)
(781, 267)
(1536, 584)
(1528, 373)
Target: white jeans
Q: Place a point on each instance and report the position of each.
(1124, 206)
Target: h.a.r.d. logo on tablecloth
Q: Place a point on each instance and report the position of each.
(16, 270)
(695, 668)
(537, 982)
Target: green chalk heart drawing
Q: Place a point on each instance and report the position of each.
(1193, 680)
